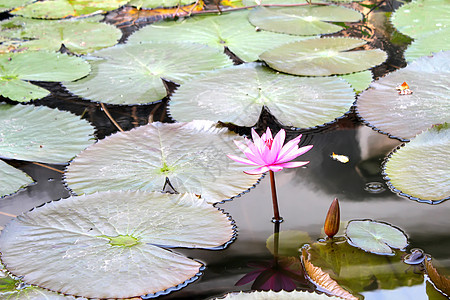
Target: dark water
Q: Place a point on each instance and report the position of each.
(304, 193)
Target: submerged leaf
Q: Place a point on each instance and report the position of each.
(302, 20)
(404, 116)
(231, 30)
(12, 179)
(289, 242)
(323, 57)
(42, 134)
(132, 74)
(80, 245)
(375, 237)
(281, 295)
(410, 171)
(159, 3)
(191, 155)
(240, 92)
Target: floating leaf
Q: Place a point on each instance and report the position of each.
(230, 30)
(289, 242)
(132, 74)
(323, 280)
(80, 245)
(303, 20)
(429, 43)
(192, 155)
(42, 134)
(80, 36)
(159, 3)
(281, 295)
(240, 92)
(410, 171)
(10, 4)
(323, 57)
(421, 16)
(440, 281)
(375, 237)
(42, 66)
(12, 179)
(359, 81)
(258, 2)
(58, 9)
(404, 116)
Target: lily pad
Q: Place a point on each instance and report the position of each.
(323, 57)
(42, 134)
(302, 20)
(410, 171)
(158, 3)
(6, 5)
(58, 9)
(239, 93)
(359, 81)
(428, 44)
(191, 155)
(231, 30)
(17, 68)
(132, 74)
(80, 36)
(12, 179)
(281, 295)
(289, 242)
(80, 245)
(422, 16)
(375, 237)
(404, 116)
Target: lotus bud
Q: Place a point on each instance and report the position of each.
(333, 219)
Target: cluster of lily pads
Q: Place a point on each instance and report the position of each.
(105, 236)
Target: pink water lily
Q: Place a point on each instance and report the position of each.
(269, 153)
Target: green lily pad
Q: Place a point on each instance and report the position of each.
(191, 155)
(429, 43)
(302, 20)
(289, 242)
(58, 9)
(410, 171)
(375, 237)
(132, 74)
(323, 57)
(240, 92)
(158, 3)
(83, 245)
(6, 5)
(80, 36)
(422, 16)
(281, 295)
(258, 2)
(357, 271)
(404, 116)
(12, 179)
(231, 30)
(359, 81)
(42, 134)
(42, 66)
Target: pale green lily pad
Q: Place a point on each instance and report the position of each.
(132, 74)
(258, 2)
(302, 20)
(238, 94)
(12, 179)
(80, 36)
(10, 4)
(281, 295)
(42, 134)
(422, 16)
(159, 3)
(58, 9)
(428, 44)
(191, 155)
(42, 66)
(404, 116)
(420, 169)
(289, 242)
(375, 237)
(323, 57)
(80, 245)
(231, 30)
(359, 81)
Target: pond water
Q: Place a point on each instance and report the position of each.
(304, 194)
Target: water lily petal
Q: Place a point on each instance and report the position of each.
(293, 154)
(275, 168)
(241, 160)
(278, 142)
(256, 171)
(289, 146)
(258, 142)
(249, 153)
(293, 164)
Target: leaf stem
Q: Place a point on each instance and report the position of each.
(276, 213)
(110, 117)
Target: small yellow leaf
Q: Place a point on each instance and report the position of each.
(340, 158)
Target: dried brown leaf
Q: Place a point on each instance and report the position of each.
(441, 282)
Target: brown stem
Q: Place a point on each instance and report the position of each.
(110, 117)
(276, 242)
(47, 167)
(276, 213)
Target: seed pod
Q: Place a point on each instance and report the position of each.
(333, 219)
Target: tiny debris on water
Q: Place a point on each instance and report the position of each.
(403, 89)
(340, 158)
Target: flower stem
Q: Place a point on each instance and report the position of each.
(276, 213)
